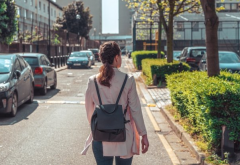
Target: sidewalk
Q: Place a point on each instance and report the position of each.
(161, 98)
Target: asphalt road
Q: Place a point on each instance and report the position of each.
(53, 129)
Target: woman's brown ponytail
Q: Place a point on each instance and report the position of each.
(108, 51)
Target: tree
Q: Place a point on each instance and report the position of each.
(165, 10)
(71, 24)
(211, 24)
(8, 22)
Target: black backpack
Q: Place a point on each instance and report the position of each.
(108, 121)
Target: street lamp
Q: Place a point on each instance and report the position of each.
(78, 17)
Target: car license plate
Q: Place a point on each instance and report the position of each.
(77, 64)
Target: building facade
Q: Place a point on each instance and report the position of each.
(95, 6)
(33, 14)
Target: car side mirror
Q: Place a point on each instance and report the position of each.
(178, 57)
(52, 65)
(17, 74)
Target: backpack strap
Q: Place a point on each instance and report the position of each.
(99, 97)
(120, 93)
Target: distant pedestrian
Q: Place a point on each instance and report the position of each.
(102, 94)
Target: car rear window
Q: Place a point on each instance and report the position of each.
(32, 61)
(197, 52)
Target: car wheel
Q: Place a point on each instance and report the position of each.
(31, 95)
(54, 86)
(43, 90)
(14, 105)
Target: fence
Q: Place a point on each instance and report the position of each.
(189, 33)
(35, 37)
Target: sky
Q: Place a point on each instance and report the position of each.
(110, 16)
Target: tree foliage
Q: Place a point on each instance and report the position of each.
(71, 24)
(8, 22)
(164, 12)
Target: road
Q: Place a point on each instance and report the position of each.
(53, 129)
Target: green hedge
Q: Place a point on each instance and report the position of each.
(160, 67)
(138, 56)
(207, 104)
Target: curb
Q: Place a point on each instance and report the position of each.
(60, 69)
(185, 137)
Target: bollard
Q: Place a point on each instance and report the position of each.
(226, 144)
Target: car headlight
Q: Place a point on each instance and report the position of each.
(69, 62)
(4, 87)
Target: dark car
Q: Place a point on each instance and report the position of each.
(129, 54)
(192, 56)
(77, 59)
(228, 61)
(43, 71)
(96, 54)
(16, 83)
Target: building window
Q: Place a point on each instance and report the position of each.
(31, 2)
(51, 12)
(31, 16)
(40, 5)
(55, 13)
(44, 8)
(195, 26)
(25, 13)
(18, 11)
(25, 27)
(40, 19)
(180, 26)
(25, 1)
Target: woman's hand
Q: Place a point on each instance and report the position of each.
(145, 144)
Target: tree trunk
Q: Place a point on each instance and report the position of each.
(170, 34)
(211, 24)
(159, 38)
(159, 30)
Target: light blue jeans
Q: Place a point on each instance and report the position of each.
(107, 160)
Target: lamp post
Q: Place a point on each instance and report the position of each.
(99, 39)
(94, 35)
(78, 17)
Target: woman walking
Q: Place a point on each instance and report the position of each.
(106, 88)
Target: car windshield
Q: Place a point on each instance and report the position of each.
(32, 61)
(197, 52)
(78, 54)
(5, 65)
(228, 57)
(94, 51)
(176, 53)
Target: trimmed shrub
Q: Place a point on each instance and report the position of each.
(207, 104)
(160, 67)
(138, 56)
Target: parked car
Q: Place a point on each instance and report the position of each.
(228, 61)
(44, 74)
(129, 54)
(77, 59)
(192, 56)
(16, 83)
(176, 53)
(92, 56)
(96, 54)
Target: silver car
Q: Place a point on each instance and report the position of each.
(92, 56)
